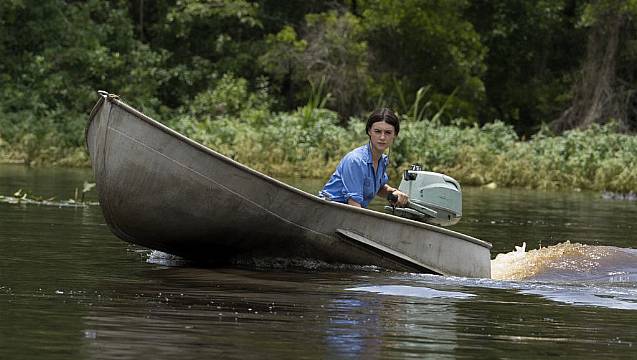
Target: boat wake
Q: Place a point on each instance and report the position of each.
(566, 273)
(571, 273)
(280, 263)
(265, 263)
(568, 262)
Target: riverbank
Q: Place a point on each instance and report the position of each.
(309, 143)
(298, 144)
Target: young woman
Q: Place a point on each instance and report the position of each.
(362, 173)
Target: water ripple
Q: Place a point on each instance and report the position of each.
(420, 292)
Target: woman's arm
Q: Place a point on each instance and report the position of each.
(385, 190)
(353, 202)
(403, 199)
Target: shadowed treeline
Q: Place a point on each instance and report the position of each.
(489, 91)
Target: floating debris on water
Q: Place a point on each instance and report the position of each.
(609, 195)
(490, 186)
(21, 197)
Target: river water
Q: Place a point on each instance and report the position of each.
(69, 289)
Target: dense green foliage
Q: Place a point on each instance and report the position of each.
(473, 81)
(309, 142)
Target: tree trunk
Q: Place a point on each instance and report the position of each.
(596, 98)
(141, 20)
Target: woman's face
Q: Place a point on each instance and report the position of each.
(381, 135)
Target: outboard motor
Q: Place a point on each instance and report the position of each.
(433, 198)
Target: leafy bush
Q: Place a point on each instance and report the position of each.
(310, 142)
(239, 122)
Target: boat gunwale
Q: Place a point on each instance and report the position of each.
(115, 100)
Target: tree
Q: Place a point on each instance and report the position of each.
(337, 55)
(418, 43)
(606, 86)
(282, 61)
(534, 48)
(205, 39)
(331, 52)
(56, 54)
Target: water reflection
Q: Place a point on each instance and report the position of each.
(410, 291)
(353, 328)
(423, 318)
(220, 314)
(70, 289)
(607, 297)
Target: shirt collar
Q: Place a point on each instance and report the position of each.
(368, 155)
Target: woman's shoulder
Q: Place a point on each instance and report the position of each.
(360, 154)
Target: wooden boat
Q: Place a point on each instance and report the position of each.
(161, 190)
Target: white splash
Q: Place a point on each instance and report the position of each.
(161, 258)
(564, 261)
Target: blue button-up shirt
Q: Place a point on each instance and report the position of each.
(355, 178)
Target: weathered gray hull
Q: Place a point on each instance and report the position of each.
(164, 191)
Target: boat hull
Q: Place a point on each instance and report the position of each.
(161, 190)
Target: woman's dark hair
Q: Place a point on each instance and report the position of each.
(383, 114)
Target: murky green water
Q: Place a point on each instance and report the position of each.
(71, 290)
